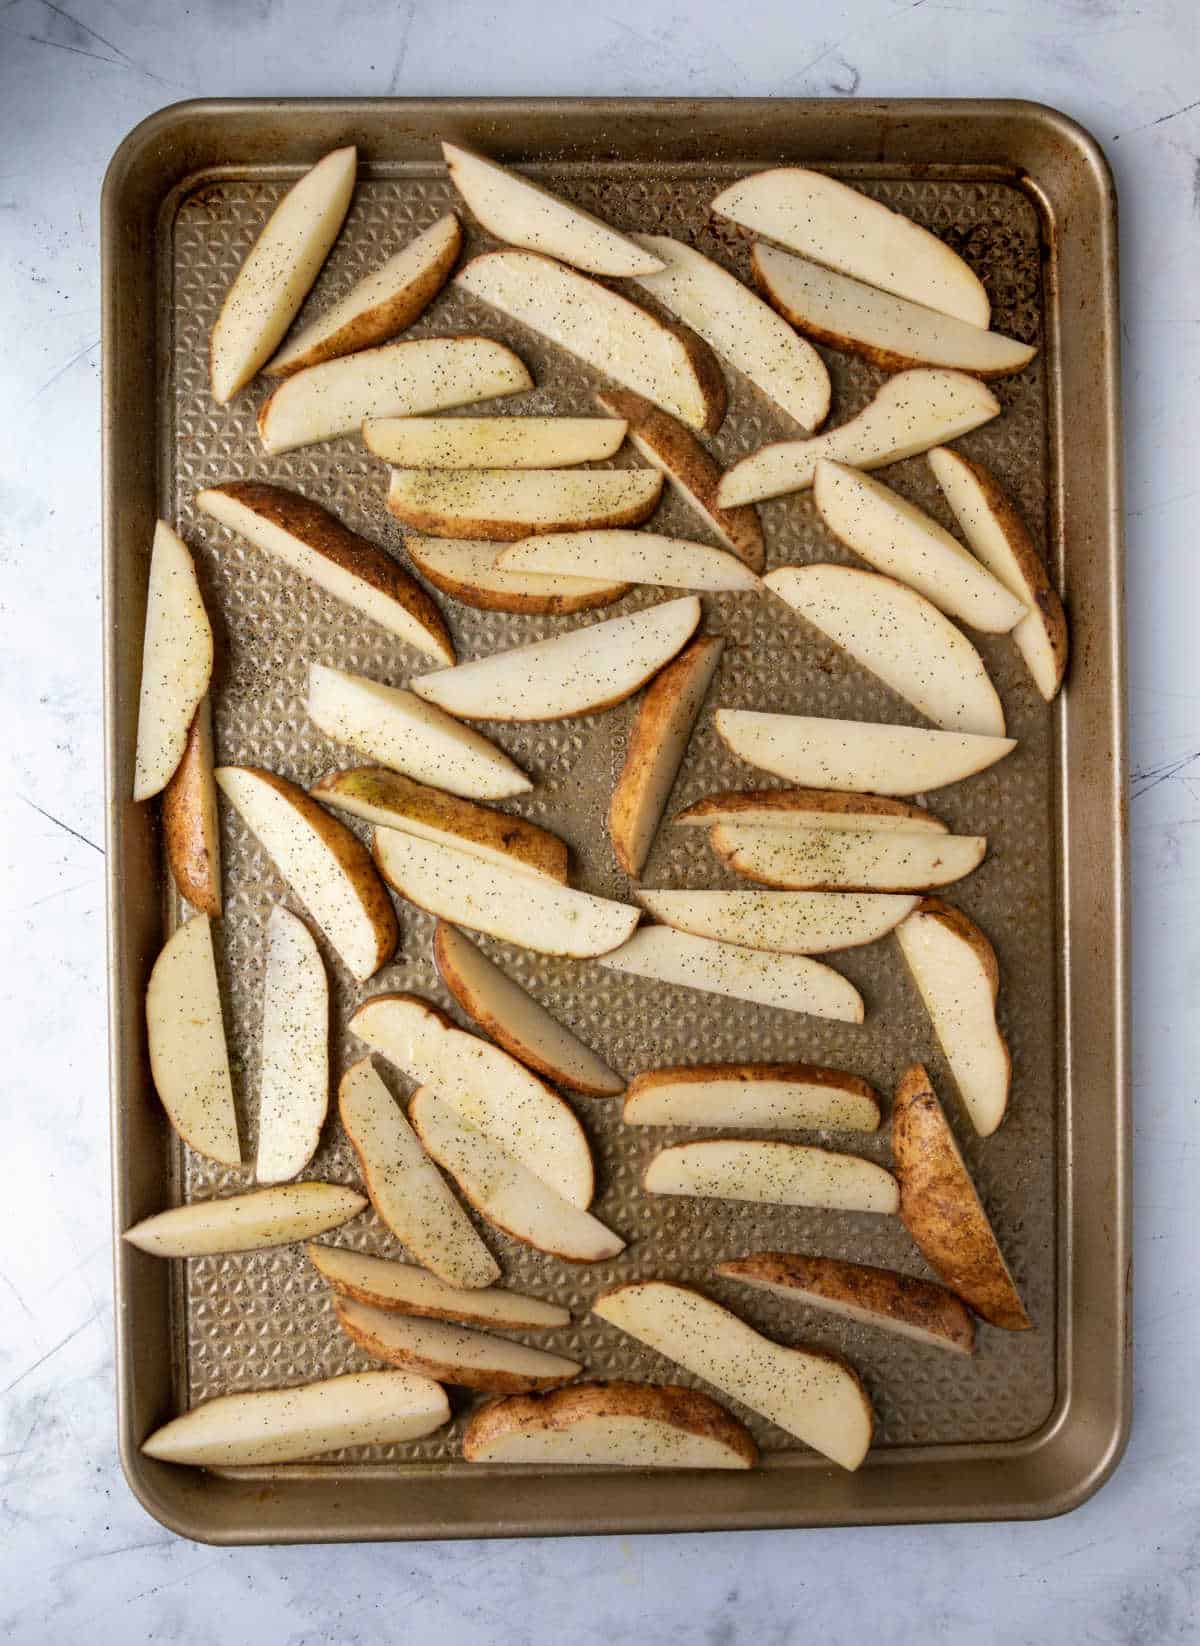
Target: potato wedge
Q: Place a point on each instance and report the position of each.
(504, 1191)
(998, 535)
(779, 1174)
(391, 801)
(786, 922)
(406, 379)
(791, 983)
(517, 1021)
(469, 570)
(404, 1289)
(293, 1082)
(786, 809)
(510, 904)
(451, 1353)
(900, 1303)
(638, 557)
(667, 363)
(662, 440)
(954, 967)
(247, 1222)
(910, 413)
(189, 1062)
(409, 1193)
(889, 331)
(848, 231)
(314, 543)
(382, 303)
(942, 1211)
(492, 442)
(278, 272)
(856, 755)
(521, 212)
(410, 736)
(191, 826)
(775, 1096)
(900, 637)
(740, 327)
(811, 1394)
(177, 659)
(484, 1085)
(503, 504)
(873, 860)
(580, 672)
(654, 752)
(263, 1426)
(610, 1426)
(328, 868)
(894, 536)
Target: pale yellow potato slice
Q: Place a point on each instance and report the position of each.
(177, 659)
(451, 1353)
(900, 637)
(503, 504)
(769, 1095)
(407, 1290)
(469, 570)
(493, 442)
(293, 1082)
(637, 557)
(276, 1216)
(811, 1394)
(785, 809)
(189, 1062)
(789, 922)
(191, 826)
(779, 1174)
(278, 272)
(830, 860)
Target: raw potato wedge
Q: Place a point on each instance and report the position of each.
(404, 1289)
(510, 904)
(186, 1041)
(657, 743)
(791, 983)
(786, 922)
(894, 536)
(293, 1086)
(662, 440)
(406, 379)
(523, 213)
(580, 672)
(779, 1174)
(610, 1426)
(638, 557)
(667, 363)
(382, 303)
(191, 826)
(177, 660)
(262, 1426)
(771, 1095)
(469, 571)
(452, 1354)
(410, 736)
(889, 331)
(785, 809)
(901, 638)
(848, 231)
(503, 504)
(875, 860)
(247, 1222)
(278, 273)
(509, 1196)
(484, 1085)
(941, 1210)
(740, 327)
(811, 1394)
(328, 868)
(954, 967)
(517, 1021)
(856, 755)
(998, 535)
(492, 442)
(315, 543)
(391, 801)
(916, 1309)
(407, 1190)
(911, 412)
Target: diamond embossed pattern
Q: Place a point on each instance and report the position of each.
(260, 1319)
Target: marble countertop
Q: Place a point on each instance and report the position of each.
(76, 1551)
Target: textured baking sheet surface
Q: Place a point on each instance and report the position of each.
(262, 1319)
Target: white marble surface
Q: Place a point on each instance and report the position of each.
(76, 1552)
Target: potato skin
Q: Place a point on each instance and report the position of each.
(797, 803)
(189, 818)
(494, 1382)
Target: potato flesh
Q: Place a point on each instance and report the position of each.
(177, 657)
(884, 860)
(768, 1103)
(512, 503)
(186, 1035)
(611, 1443)
(410, 1290)
(782, 1174)
(632, 557)
(245, 1222)
(472, 565)
(450, 1348)
(795, 923)
(493, 442)
(293, 1086)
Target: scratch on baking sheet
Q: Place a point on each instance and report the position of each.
(406, 28)
(1142, 782)
(66, 827)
